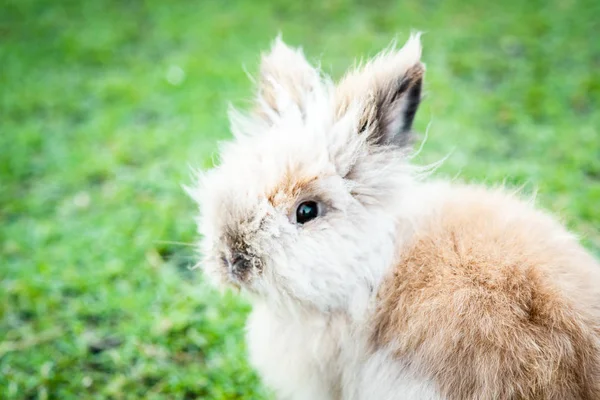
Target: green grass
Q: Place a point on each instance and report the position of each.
(95, 302)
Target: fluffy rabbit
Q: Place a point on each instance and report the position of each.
(370, 281)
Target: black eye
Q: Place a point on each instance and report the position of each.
(307, 211)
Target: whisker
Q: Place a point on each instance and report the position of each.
(416, 153)
(197, 265)
(177, 243)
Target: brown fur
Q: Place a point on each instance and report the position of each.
(289, 189)
(493, 300)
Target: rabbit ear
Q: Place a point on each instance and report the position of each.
(389, 89)
(285, 79)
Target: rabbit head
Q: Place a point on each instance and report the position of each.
(303, 206)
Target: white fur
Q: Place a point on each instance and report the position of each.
(310, 357)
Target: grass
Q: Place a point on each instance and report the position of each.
(105, 104)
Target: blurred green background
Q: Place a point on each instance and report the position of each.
(106, 104)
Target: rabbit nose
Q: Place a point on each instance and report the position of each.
(238, 264)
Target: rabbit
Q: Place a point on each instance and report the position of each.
(368, 278)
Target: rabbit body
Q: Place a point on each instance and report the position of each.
(369, 280)
(489, 298)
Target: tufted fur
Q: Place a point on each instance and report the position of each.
(403, 287)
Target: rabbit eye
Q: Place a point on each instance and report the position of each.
(307, 211)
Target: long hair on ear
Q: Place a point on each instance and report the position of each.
(389, 87)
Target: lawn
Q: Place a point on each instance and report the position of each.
(105, 105)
